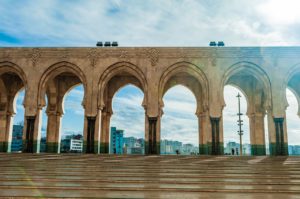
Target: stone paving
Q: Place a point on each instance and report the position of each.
(111, 176)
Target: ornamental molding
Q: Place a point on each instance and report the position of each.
(93, 56)
(153, 55)
(35, 55)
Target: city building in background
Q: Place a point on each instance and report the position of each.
(43, 144)
(72, 143)
(17, 135)
(294, 149)
(116, 140)
(233, 148)
(134, 145)
(176, 147)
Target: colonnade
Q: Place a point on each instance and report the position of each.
(51, 72)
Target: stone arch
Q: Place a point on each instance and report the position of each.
(291, 81)
(136, 77)
(254, 71)
(255, 83)
(190, 76)
(21, 81)
(55, 70)
(14, 68)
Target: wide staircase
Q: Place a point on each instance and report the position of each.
(111, 176)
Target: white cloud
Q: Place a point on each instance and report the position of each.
(278, 12)
(148, 23)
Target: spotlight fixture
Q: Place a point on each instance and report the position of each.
(212, 43)
(221, 43)
(99, 44)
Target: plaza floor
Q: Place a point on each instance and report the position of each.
(110, 176)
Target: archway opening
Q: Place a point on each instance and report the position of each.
(230, 122)
(72, 121)
(254, 84)
(127, 126)
(293, 124)
(18, 122)
(12, 94)
(62, 96)
(179, 124)
(43, 141)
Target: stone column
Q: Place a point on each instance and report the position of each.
(257, 133)
(216, 146)
(204, 131)
(277, 134)
(6, 128)
(152, 138)
(90, 135)
(281, 146)
(53, 132)
(28, 133)
(32, 133)
(105, 129)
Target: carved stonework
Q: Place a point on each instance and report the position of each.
(65, 54)
(213, 58)
(153, 55)
(35, 56)
(93, 56)
(124, 55)
(5, 55)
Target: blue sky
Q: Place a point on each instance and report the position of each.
(153, 23)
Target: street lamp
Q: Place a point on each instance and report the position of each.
(240, 123)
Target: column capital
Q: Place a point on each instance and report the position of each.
(256, 114)
(202, 114)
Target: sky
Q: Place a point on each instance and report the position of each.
(153, 23)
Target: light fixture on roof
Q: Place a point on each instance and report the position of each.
(221, 43)
(212, 43)
(99, 44)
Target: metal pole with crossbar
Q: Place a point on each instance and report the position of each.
(240, 123)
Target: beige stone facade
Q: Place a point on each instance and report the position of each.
(261, 73)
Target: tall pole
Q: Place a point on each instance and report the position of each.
(240, 123)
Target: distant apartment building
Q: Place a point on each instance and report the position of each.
(43, 144)
(17, 141)
(72, 144)
(170, 147)
(294, 149)
(189, 149)
(116, 140)
(133, 145)
(233, 148)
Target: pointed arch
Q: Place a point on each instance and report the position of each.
(122, 68)
(292, 82)
(190, 76)
(55, 70)
(252, 70)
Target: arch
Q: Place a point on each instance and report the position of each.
(295, 70)
(119, 68)
(191, 70)
(9, 67)
(256, 72)
(14, 68)
(53, 71)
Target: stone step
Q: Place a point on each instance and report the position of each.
(88, 175)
